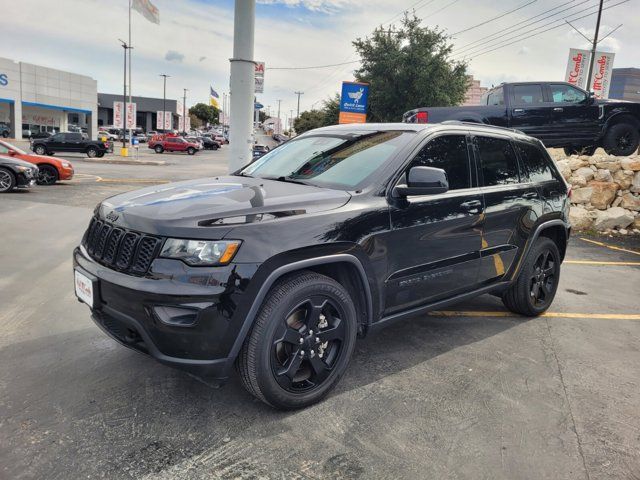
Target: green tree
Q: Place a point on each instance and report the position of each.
(206, 113)
(309, 120)
(409, 67)
(331, 110)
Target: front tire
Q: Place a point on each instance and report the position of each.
(191, 151)
(301, 342)
(7, 180)
(621, 139)
(40, 150)
(158, 149)
(47, 175)
(535, 288)
(92, 152)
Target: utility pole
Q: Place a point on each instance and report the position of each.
(279, 121)
(130, 101)
(164, 102)
(298, 93)
(291, 122)
(593, 48)
(242, 84)
(124, 151)
(184, 112)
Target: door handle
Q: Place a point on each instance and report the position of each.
(530, 195)
(518, 110)
(558, 109)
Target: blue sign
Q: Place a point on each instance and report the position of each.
(4, 80)
(354, 97)
(258, 106)
(135, 141)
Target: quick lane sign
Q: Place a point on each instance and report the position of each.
(353, 102)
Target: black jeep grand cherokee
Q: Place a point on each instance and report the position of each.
(278, 267)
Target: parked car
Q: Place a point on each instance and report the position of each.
(277, 268)
(108, 135)
(26, 132)
(195, 140)
(50, 169)
(16, 173)
(557, 113)
(209, 144)
(5, 130)
(259, 150)
(167, 143)
(72, 143)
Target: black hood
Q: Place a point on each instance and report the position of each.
(210, 207)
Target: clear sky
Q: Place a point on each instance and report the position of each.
(194, 40)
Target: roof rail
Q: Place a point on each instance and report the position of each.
(478, 124)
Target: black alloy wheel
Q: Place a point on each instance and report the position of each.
(621, 139)
(7, 180)
(40, 150)
(308, 343)
(543, 278)
(47, 175)
(301, 341)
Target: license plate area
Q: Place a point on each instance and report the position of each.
(86, 287)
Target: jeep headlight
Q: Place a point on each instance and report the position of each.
(200, 253)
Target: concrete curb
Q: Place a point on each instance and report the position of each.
(122, 162)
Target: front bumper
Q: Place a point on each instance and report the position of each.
(26, 179)
(181, 316)
(66, 173)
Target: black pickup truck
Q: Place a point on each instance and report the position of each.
(73, 142)
(557, 113)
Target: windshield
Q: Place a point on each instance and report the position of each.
(5, 147)
(337, 161)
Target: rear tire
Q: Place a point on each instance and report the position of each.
(7, 180)
(300, 343)
(40, 150)
(621, 139)
(535, 288)
(47, 175)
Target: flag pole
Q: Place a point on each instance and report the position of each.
(130, 102)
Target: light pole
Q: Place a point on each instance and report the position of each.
(184, 112)
(279, 121)
(298, 93)
(291, 122)
(164, 101)
(124, 151)
(593, 48)
(242, 84)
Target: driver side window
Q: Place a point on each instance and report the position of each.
(566, 94)
(448, 152)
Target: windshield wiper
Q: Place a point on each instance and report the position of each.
(242, 174)
(288, 179)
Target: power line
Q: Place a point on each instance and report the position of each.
(488, 43)
(494, 18)
(498, 47)
(313, 66)
(516, 25)
(439, 10)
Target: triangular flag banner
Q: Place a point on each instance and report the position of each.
(148, 10)
(213, 92)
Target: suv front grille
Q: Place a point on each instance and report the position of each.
(119, 248)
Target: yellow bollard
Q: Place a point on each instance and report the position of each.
(124, 152)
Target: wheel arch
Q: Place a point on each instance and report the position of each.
(622, 116)
(343, 267)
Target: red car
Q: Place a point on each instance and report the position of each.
(50, 169)
(162, 143)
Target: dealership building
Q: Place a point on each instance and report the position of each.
(146, 111)
(625, 84)
(35, 98)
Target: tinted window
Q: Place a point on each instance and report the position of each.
(566, 94)
(58, 137)
(534, 163)
(499, 163)
(527, 94)
(73, 137)
(496, 97)
(451, 155)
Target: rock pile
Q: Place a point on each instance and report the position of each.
(606, 191)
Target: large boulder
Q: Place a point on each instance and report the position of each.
(581, 195)
(580, 218)
(635, 184)
(584, 172)
(577, 181)
(630, 202)
(576, 163)
(631, 163)
(624, 178)
(564, 168)
(603, 194)
(603, 175)
(606, 164)
(615, 217)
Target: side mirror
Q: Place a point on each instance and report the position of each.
(423, 181)
(590, 98)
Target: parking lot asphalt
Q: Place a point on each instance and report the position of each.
(472, 392)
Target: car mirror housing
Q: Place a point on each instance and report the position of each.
(423, 181)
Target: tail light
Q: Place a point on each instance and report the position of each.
(422, 117)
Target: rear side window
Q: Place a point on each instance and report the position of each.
(535, 167)
(449, 153)
(74, 137)
(527, 94)
(498, 160)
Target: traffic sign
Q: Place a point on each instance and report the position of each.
(258, 106)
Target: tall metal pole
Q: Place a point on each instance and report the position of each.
(164, 101)
(184, 112)
(593, 48)
(124, 96)
(291, 122)
(130, 102)
(279, 121)
(242, 84)
(298, 93)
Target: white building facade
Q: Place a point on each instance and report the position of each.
(35, 98)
